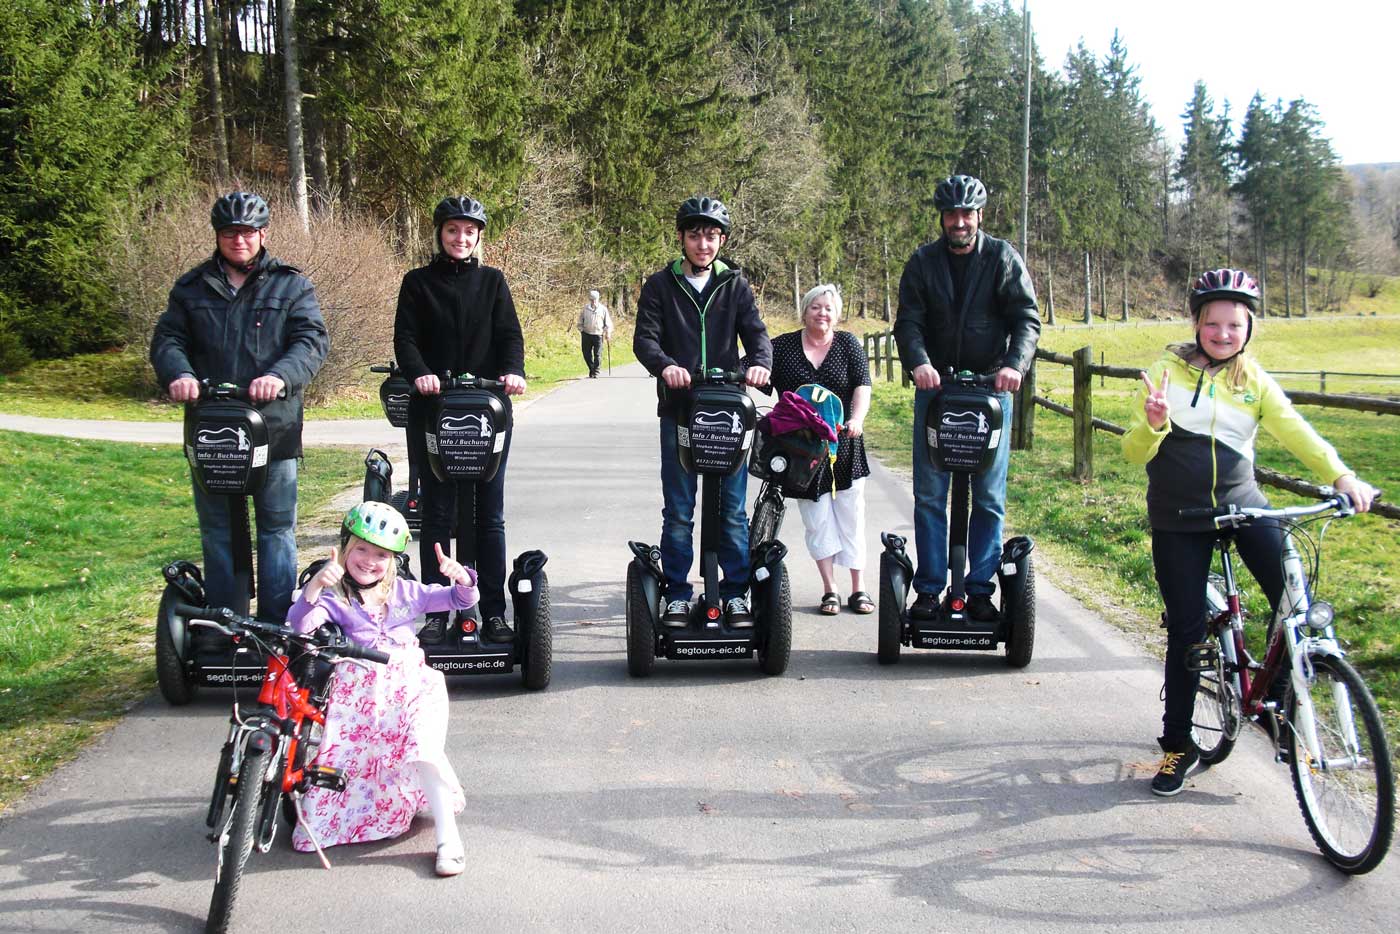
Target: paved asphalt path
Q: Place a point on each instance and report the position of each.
(947, 793)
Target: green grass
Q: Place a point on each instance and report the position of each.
(88, 527)
(1096, 537)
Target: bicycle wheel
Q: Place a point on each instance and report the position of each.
(1348, 794)
(1215, 722)
(236, 840)
(767, 516)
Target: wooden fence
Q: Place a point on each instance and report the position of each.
(1082, 412)
(880, 349)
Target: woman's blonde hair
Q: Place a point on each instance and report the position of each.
(817, 292)
(351, 594)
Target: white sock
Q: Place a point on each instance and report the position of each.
(439, 796)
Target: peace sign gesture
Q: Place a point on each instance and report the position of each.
(1155, 406)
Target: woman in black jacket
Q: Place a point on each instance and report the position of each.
(456, 314)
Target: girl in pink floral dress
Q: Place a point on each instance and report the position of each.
(386, 725)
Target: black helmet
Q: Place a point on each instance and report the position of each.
(960, 192)
(1233, 284)
(239, 209)
(710, 211)
(459, 207)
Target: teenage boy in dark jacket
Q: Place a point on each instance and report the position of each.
(245, 317)
(688, 317)
(966, 302)
(456, 314)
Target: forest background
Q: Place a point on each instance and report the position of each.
(824, 124)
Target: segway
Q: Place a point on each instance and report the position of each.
(962, 429)
(394, 392)
(226, 444)
(713, 437)
(466, 436)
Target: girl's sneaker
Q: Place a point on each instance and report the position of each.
(451, 860)
(1178, 759)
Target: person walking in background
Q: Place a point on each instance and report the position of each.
(595, 325)
(242, 316)
(966, 302)
(833, 510)
(456, 314)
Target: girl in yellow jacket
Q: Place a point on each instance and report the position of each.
(1201, 407)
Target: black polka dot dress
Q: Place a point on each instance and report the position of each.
(844, 368)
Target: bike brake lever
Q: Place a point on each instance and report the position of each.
(210, 624)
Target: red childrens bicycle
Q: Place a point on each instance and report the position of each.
(269, 759)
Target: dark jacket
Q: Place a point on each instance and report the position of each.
(271, 326)
(998, 324)
(670, 317)
(456, 315)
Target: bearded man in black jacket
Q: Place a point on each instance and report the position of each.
(965, 302)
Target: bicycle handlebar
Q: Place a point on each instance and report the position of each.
(232, 624)
(1233, 516)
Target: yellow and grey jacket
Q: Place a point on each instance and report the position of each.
(1204, 454)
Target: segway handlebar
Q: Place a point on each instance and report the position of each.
(210, 390)
(466, 381)
(230, 623)
(967, 377)
(717, 377)
(391, 368)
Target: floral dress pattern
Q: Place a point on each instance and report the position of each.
(380, 721)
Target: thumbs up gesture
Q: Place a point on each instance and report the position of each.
(453, 569)
(1155, 406)
(329, 576)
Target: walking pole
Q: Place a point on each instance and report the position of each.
(609, 340)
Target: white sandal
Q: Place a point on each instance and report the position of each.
(450, 861)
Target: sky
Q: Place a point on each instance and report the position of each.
(1341, 57)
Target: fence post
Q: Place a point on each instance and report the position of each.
(1322, 380)
(1023, 413)
(1083, 415)
(889, 356)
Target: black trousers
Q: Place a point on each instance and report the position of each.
(592, 343)
(439, 512)
(1182, 561)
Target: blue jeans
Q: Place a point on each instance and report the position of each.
(931, 509)
(678, 489)
(275, 511)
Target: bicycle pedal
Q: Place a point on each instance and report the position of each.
(323, 776)
(1202, 656)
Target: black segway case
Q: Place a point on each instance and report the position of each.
(716, 437)
(226, 444)
(394, 394)
(962, 429)
(466, 435)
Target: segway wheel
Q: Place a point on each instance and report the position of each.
(776, 648)
(538, 661)
(641, 637)
(1019, 611)
(176, 684)
(891, 618)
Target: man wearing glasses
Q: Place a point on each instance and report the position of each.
(245, 317)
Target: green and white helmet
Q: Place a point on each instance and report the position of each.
(377, 523)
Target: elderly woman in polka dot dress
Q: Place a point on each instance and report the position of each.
(834, 514)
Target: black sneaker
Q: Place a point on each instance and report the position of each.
(981, 608)
(435, 630)
(677, 615)
(737, 614)
(1174, 767)
(925, 606)
(496, 630)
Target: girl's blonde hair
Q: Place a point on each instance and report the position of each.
(817, 292)
(351, 594)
